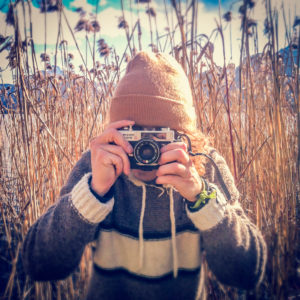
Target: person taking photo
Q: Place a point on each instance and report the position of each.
(151, 227)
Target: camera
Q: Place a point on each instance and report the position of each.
(146, 146)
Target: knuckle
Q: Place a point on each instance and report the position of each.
(188, 173)
(121, 152)
(98, 156)
(124, 159)
(101, 154)
(181, 154)
(118, 160)
(181, 145)
(177, 167)
(110, 131)
(93, 142)
(161, 159)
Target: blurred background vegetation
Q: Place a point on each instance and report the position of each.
(250, 110)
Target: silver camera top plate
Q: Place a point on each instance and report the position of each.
(165, 134)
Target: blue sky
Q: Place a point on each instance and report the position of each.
(108, 15)
(69, 4)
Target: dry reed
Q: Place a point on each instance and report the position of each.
(252, 113)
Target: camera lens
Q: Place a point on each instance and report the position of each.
(146, 151)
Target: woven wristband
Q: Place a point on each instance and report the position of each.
(203, 198)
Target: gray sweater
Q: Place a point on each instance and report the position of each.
(137, 255)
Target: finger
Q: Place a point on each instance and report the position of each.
(120, 124)
(173, 169)
(112, 135)
(178, 155)
(109, 159)
(120, 152)
(173, 180)
(117, 162)
(172, 146)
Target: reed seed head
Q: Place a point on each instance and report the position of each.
(227, 16)
(122, 23)
(10, 17)
(151, 11)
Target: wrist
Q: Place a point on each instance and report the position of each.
(102, 196)
(202, 198)
(194, 196)
(100, 191)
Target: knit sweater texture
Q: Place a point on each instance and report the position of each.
(127, 265)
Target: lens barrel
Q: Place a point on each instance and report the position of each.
(146, 151)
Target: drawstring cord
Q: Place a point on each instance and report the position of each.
(142, 184)
(170, 190)
(141, 228)
(173, 233)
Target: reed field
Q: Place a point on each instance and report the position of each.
(250, 111)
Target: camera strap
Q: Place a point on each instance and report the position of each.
(218, 173)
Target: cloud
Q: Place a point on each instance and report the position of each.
(108, 18)
(84, 4)
(103, 2)
(49, 26)
(143, 6)
(288, 8)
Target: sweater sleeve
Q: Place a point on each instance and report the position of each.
(55, 242)
(235, 249)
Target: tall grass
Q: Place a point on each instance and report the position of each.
(251, 113)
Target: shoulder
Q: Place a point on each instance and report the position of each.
(217, 171)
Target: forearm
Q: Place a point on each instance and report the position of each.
(54, 244)
(235, 250)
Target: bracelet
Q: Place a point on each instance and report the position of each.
(203, 197)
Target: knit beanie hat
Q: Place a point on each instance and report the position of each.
(154, 92)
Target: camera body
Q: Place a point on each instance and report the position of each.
(146, 146)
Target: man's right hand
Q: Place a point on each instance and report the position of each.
(109, 157)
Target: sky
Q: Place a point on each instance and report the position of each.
(109, 12)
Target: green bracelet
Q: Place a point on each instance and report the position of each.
(203, 199)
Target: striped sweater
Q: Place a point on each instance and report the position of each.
(135, 254)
